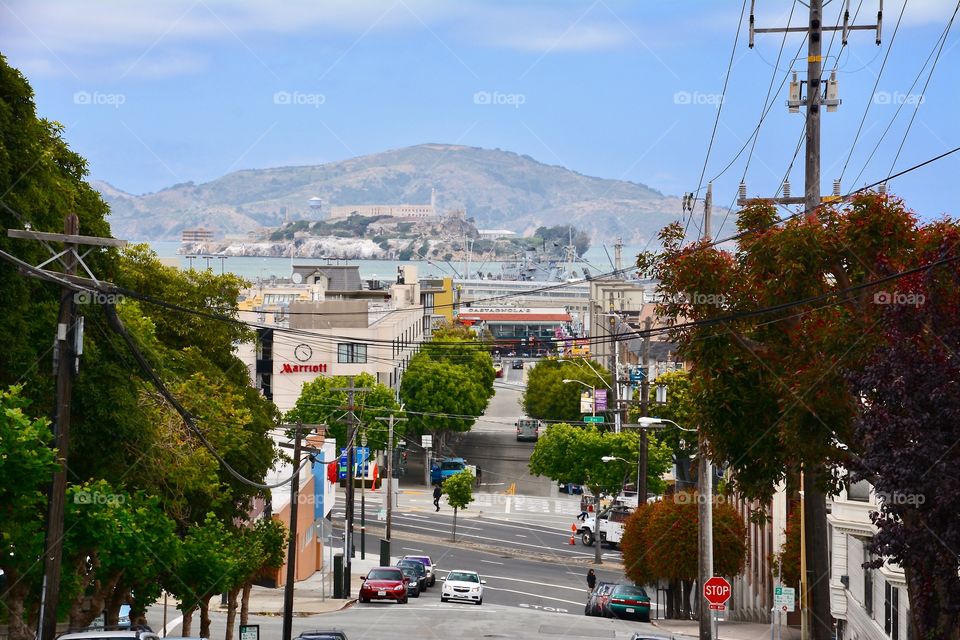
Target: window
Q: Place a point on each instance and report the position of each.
(348, 352)
(891, 611)
(858, 491)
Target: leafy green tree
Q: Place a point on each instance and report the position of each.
(323, 401)
(271, 538)
(26, 465)
(448, 383)
(660, 543)
(547, 397)
(459, 491)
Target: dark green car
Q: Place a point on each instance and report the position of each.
(628, 601)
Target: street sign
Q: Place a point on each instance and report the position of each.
(249, 632)
(593, 419)
(600, 396)
(586, 401)
(716, 590)
(426, 442)
(718, 607)
(784, 598)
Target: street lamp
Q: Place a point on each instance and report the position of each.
(593, 392)
(627, 473)
(705, 508)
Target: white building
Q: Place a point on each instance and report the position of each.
(867, 603)
(328, 322)
(415, 211)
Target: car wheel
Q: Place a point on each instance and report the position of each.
(433, 581)
(480, 601)
(442, 599)
(403, 601)
(363, 600)
(587, 539)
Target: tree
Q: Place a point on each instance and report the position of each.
(323, 401)
(678, 408)
(272, 538)
(660, 543)
(772, 381)
(26, 465)
(908, 419)
(574, 455)
(448, 383)
(255, 549)
(459, 491)
(547, 397)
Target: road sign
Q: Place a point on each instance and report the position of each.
(249, 632)
(716, 590)
(593, 419)
(600, 397)
(718, 607)
(426, 442)
(784, 598)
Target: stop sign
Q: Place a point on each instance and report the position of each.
(716, 590)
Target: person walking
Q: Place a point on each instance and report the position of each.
(591, 580)
(436, 497)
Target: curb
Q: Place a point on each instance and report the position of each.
(302, 614)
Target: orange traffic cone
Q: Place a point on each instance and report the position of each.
(573, 534)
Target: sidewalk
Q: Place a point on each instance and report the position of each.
(312, 596)
(728, 630)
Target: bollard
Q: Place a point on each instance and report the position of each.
(338, 576)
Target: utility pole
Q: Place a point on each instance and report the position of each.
(705, 481)
(292, 536)
(816, 608)
(644, 409)
(350, 493)
(388, 531)
(68, 345)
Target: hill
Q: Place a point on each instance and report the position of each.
(498, 189)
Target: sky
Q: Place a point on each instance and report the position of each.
(164, 92)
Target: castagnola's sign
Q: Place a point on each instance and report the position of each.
(286, 367)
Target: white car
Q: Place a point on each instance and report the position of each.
(462, 585)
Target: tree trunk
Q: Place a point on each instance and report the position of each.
(245, 604)
(673, 599)
(931, 590)
(187, 626)
(686, 607)
(205, 616)
(14, 598)
(454, 524)
(818, 556)
(111, 614)
(231, 613)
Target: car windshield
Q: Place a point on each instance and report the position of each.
(385, 574)
(447, 466)
(425, 560)
(413, 565)
(463, 576)
(630, 591)
(409, 571)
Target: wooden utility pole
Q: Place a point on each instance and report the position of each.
(69, 339)
(389, 493)
(350, 494)
(816, 578)
(292, 537)
(644, 411)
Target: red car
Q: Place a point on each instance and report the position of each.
(384, 583)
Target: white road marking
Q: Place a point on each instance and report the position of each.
(534, 582)
(172, 625)
(409, 549)
(491, 562)
(515, 542)
(520, 535)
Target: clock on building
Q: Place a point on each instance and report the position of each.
(303, 352)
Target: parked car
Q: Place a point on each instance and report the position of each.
(322, 634)
(629, 601)
(112, 632)
(569, 487)
(518, 364)
(428, 563)
(447, 467)
(463, 585)
(498, 369)
(598, 598)
(384, 583)
(415, 584)
(419, 569)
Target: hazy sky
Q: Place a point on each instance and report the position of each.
(155, 93)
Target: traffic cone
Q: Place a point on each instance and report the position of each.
(573, 534)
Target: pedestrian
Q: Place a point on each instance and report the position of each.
(583, 515)
(436, 497)
(591, 580)
(479, 472)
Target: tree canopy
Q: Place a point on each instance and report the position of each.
(547, 397)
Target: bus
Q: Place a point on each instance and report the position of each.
(528, 429)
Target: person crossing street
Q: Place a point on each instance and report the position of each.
(436, 497)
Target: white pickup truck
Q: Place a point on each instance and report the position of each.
(610, 528)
